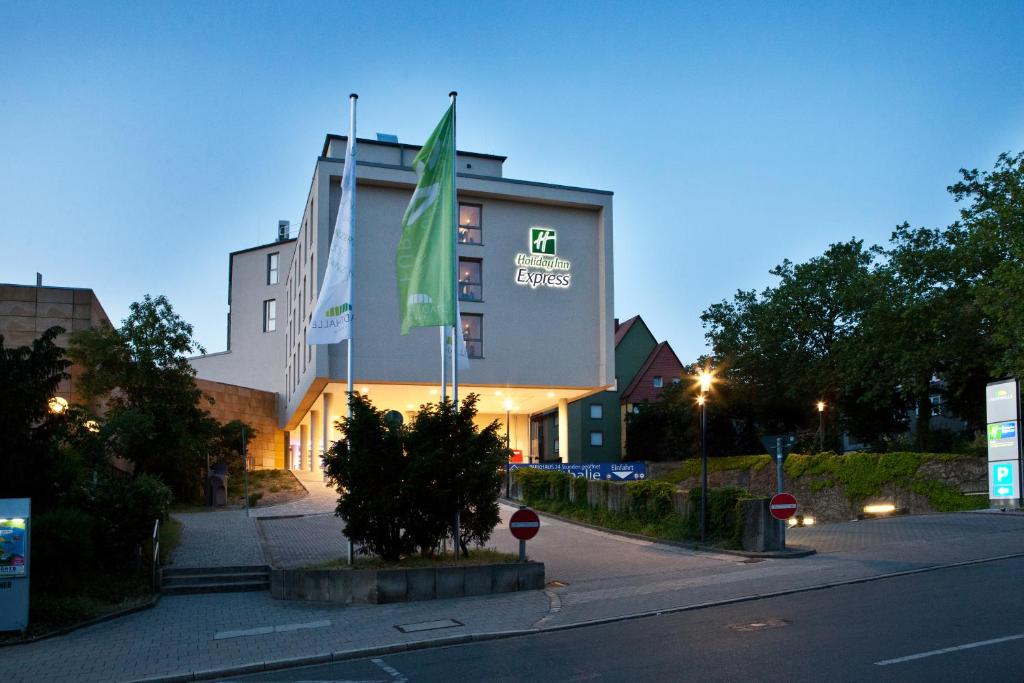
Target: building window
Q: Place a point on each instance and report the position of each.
(270, 315)
(596, 411)
(596, 438)
(471, 281)
(556, 445)
(470, 226)
(657, 382)
(676, 380)
(473, 333)
(272, 271)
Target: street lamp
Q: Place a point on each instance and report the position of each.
(57, 405)
(705, 379)
(821, 426)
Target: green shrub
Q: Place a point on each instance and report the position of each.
(255, 498)
(62, 549)
(725, 524)
(650, 500)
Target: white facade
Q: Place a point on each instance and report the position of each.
(256, 340)
(542, 346)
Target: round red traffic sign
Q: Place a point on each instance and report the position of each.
(782, 505)
(524, 524)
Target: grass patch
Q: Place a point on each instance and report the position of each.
(477, 556)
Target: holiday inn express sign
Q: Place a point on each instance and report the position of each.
(542, 267)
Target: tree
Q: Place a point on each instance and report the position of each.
(454, 471)
(142, 373)
(31, 463)
(667, 428)
(783, 350)
(369, 469)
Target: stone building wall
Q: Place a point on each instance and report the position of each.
(254, 407)
(26, 311)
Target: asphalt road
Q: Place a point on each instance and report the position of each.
(954, 624)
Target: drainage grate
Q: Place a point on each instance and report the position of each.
(428, 625)
(760, 625)
(751, 560)
(554, 583)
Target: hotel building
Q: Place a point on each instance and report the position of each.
(535, 289)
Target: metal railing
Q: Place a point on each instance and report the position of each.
(156, 556)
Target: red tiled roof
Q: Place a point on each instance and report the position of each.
(662, 361)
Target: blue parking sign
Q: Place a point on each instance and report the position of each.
(1003, 479)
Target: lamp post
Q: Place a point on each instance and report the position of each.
(705, 379)
(821, 426)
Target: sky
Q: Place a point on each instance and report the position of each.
(141, 142)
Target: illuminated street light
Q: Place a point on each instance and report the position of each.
(704, 378)
(821, 426)
(57, 405)
(92, 426)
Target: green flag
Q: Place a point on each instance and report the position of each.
(425, 261)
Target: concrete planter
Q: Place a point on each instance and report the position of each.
(378, 586)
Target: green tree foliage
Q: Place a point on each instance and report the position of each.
(401, 488)
(31, 463)
(369, 468)
(142, 374)
(455, 468)
(870, 330)
(667, 428)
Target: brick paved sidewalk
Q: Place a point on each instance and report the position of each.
(221, 538)
(322, 498)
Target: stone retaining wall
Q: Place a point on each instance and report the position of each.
(379, 586)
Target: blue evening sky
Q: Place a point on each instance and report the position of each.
(140, 142)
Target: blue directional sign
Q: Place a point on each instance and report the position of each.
(1002, 477)
(615, 471)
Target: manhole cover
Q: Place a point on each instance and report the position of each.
(428, 625)
(556, 584)
(759, 625)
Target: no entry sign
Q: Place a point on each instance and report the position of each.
(782, 506)
(524, 524)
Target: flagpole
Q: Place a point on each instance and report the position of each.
(348, 359)
(444, 375)
(457, 325)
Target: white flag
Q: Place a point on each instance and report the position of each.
(460, 350)
(332, 315)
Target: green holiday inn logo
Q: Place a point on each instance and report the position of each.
(542, 241)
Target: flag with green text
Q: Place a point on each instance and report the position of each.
(425, 260)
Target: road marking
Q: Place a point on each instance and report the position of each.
(263, 630)
(947, 650)
(396, 675)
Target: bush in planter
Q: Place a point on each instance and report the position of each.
(368, 464)
(453, 467)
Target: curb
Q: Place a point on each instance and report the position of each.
(149, 604)
(791, 552)
(345, 655)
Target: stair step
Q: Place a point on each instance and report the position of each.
(193, 571)
(241, 577)
(193, 588)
